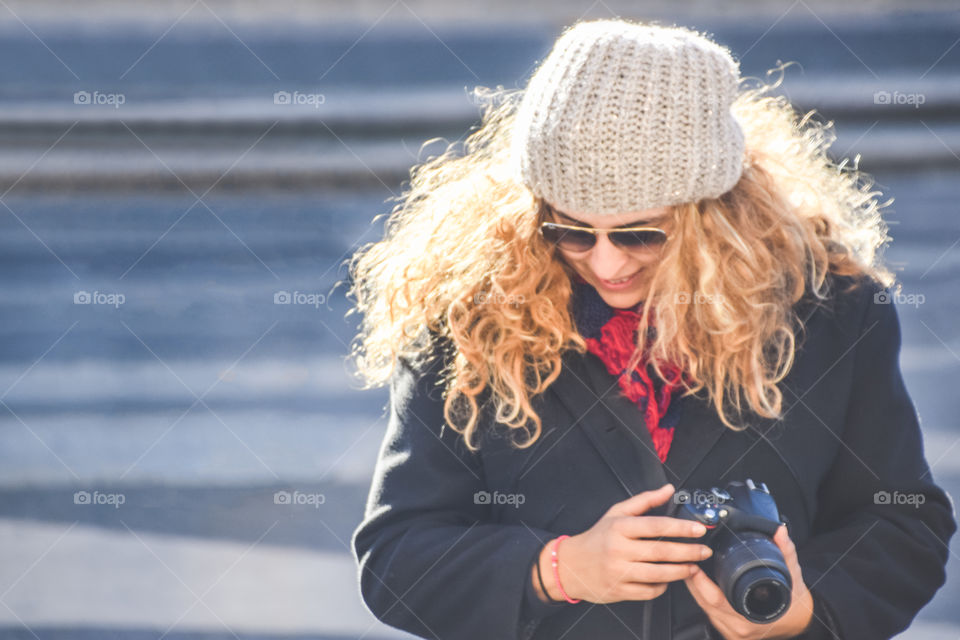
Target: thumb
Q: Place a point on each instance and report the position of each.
(787, 547)
(643, 502)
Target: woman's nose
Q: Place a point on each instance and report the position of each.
(606, 259)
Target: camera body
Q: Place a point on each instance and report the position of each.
(746, 564)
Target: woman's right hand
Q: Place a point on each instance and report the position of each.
(620, 558)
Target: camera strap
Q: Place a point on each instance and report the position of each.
(657, 621)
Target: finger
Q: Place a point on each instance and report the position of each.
(714, 603)
(782, 538)
(659, 527)
(799, 589)
(719, 620)
(643, 502)
(663, 551)
(651, 572)
(709, 593)
(788, 549)
(693, 587)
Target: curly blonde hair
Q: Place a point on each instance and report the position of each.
(462, 259)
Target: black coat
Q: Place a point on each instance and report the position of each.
(440, 562)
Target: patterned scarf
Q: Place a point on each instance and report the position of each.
(610, 335)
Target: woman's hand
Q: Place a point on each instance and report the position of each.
(616, 560)
(733, 626)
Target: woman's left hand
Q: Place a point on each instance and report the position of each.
(734, 626)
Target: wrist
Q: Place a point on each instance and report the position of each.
(561, 584)
(552, 593)
(808, 612)
(801, 617)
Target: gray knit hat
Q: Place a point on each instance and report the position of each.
(622, 116)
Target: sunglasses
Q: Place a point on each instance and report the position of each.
(578, 239)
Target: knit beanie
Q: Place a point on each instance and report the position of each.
(624, 117)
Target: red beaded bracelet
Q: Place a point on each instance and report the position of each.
(556, 572)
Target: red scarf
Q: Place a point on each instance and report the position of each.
(610, 334)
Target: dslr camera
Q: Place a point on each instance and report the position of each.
(746, 563)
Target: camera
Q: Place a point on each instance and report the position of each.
(746, 563)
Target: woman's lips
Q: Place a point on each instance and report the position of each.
(621, 285)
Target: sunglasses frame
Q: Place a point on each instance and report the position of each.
(595, 232)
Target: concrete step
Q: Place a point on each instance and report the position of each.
(275, 157)
(373, 112)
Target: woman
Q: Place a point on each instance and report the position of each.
(638, 277)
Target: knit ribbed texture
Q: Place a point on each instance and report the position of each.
(610, 334)
(623, 117)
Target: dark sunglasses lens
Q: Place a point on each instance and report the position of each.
(637, 239)
(568, 238)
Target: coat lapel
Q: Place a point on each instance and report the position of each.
(616, 427)
(586, 394)
(695, 436)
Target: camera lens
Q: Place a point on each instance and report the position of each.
(763, 592)
(753, 575)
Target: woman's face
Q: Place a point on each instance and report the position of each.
(605, 262)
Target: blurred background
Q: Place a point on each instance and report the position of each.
(183, 453)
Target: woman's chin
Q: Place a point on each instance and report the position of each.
(623, 299)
